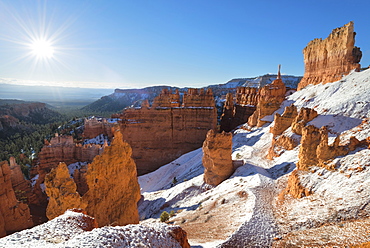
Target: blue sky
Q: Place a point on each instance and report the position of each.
(121, 44)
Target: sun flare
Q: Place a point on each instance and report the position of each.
(42, 49)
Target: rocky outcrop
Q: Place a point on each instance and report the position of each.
(62, 192)
(113, 189)
(269, 100)
(294, 186)
(217, 161)
(287, 129)
(19, 183)
(96, 126)
(315, 150)
(329, 59)
(14, 215)
(163, 132)
(61, 149)
(236, 114)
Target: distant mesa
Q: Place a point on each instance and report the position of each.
(329, 59)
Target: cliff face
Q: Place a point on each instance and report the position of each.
(236, 114)
(61, 149)
(329, 59)
(291, 122)
(216, 160)
(14, 215)
(18, 181)
(94, 127)
(269, 100)
(112, 187)
(62, 192)
(163, 132)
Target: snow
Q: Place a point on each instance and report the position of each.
(99, 140)
(342, 107)
(34, 180)
(68, 230)
(243, 210)
(75, 166)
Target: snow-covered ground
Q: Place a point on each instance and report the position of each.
(242, 210)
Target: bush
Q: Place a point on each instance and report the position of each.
(164, 216)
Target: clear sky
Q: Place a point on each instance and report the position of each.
(138, 43)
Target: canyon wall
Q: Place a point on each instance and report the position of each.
(113, 189)
(95, 126)
(166, 130)
(217, 162)
(60, 149)
(329, 59)
(14, 215)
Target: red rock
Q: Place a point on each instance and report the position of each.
(164, 132)
(329, 59)
(217, 162)
(14, 215)
(269, 100)
(94, 127)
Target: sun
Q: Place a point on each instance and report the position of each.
(42, 49)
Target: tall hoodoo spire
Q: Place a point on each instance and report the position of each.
(279, 75)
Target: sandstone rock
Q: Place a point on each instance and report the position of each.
(164, 132)
(113, 187)
(269, 100)
(14, 215)
(217, 162)
(282, 122)
(307, 153)
(94, 127)
(305, 115)
(294, 186)
(61, 149)
(79, 176)
(62, 192)
(329, 59)
(238, 113)
(19, 183)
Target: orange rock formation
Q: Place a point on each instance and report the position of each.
(61, 149)
(14, 215)
(94, 127)
(282, 141)
(329, 59)
(168, 129)
(18, 181)
(217, 162)
(113, 189)
(236, 114)
(269, 100)
(62, 192)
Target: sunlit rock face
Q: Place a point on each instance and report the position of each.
(217, 161)
(14, 215)
(61, 149)
(113, 189)
(269, 100)
(169, 128)
(62, 192)
(329, 59)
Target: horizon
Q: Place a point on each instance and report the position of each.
(125, 45)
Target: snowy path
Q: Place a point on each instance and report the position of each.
(260, 230)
